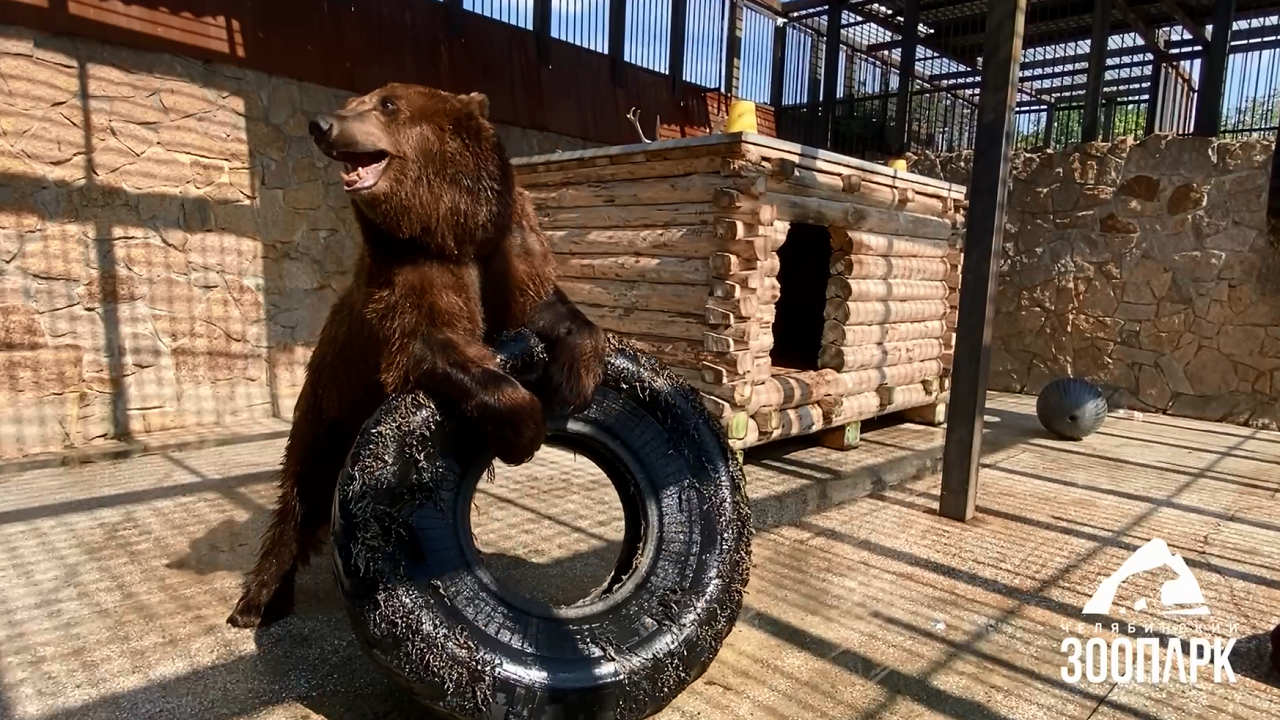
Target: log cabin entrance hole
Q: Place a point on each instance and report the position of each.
(804, 261)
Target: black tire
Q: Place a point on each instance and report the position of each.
(427, 611)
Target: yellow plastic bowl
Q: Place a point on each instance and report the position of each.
(742, 117)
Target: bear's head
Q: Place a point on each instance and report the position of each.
(425, 169)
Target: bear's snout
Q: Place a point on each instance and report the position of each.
(321, 128)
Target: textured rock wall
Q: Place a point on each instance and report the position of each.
(1145, 267)
(170, 241)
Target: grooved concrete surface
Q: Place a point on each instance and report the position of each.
(117, 578)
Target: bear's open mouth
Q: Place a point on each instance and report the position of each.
(363, 170)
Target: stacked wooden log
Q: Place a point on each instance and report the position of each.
(675, 246)
(886, 318)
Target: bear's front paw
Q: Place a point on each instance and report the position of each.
(513, 422)
(574, 371)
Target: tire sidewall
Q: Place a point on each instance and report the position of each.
(624, 657)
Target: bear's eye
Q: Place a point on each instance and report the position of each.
(388, 105)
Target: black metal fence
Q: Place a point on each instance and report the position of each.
(1149, 81)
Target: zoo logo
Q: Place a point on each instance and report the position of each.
(1141, 660)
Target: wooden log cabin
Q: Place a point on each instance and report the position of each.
(799, 290)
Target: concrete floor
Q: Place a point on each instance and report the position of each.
(117, 578)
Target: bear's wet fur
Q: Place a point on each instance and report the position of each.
(452, 257)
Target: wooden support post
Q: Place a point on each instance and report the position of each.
(779, 68)
(733, 49)
(845, 437)
(900, 142)
(618, 39)
(1213, 71)
(542, 30)
(1097, 68)
(679, 18)
(934, 414)
(984, 234)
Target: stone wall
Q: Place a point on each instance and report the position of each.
(170, 241)
(1145, 267)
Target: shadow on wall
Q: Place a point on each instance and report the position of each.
(170, 240)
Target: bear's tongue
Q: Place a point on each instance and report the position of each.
(363, 173)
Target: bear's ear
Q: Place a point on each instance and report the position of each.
(481, 103)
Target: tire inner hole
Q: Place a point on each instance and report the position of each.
(550, 530)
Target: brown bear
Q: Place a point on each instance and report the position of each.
(452, 256)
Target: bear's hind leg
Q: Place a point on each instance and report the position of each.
(313, 461)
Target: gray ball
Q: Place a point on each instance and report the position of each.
(1071, 408)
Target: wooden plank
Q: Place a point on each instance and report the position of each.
(656, 191)
(869, 195)
(860, 357)
(834, 333)
(525, 177)
(934, 414)
(635, 268)
(762, 342)
(793, 208)
(648, 216)
(720, 145)
(842, 437)
(879, 267)
(716, 373)
(793, 389)
(884, 311)
(864, 290)
(855, 242)
(860, 381)
(647, 322)
(687, 242)
(686, 299)
(836, 164)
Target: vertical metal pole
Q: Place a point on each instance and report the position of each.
(850, 71)
(542, 30)
(1213, 71)
(1273, 194)
(816, 49)
(679, 17)
(779, 64)
(733, 49)
(988, 185)
(898, 142)
(1097, 66)
(1049, 112)
(1109, 119)
(453, 18)
(1154, 97)
(831, 69)
(617, 38)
